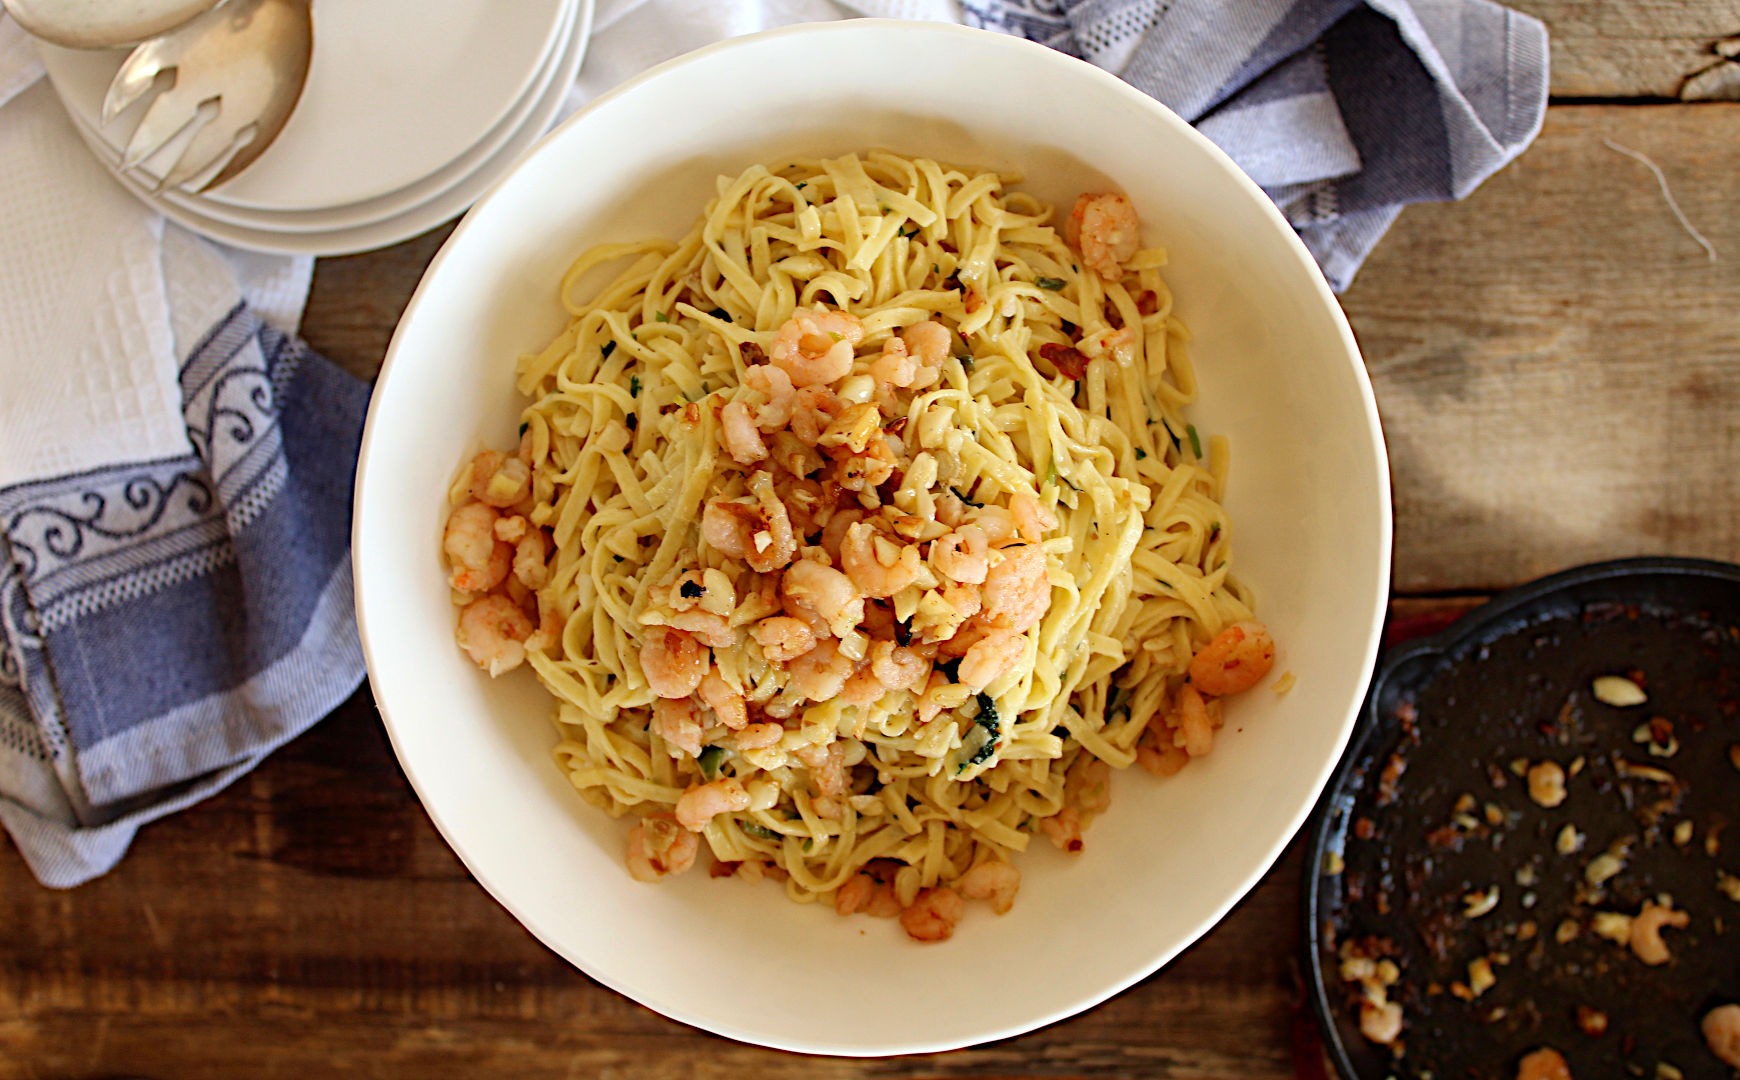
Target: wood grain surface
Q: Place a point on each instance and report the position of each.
(1558, 366)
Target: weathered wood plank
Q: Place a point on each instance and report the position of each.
(1630, 48)
(1556, 361)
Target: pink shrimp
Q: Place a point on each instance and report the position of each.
(1106, 231)
(816, 346)
(673, 662)
(963, 554)
(1017, 591)
(493, 632)
(739, 436)
(479, 561)
(783, 638)
(498, 480)
(701, 804)
(1234, 661)
(932, 915)
(674, 721)
(657, 847)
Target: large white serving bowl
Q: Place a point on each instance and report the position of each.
(1309, 509)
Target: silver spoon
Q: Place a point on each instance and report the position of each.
(102, 24)
(239, 70)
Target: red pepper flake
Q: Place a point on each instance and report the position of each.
(1392, 771)
(1363, 828)
(1069, 361)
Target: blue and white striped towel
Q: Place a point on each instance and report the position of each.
(175, 478)
(1343, 111)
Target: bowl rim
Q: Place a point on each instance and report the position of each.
(1025, 51)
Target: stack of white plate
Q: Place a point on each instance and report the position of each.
(412, 109)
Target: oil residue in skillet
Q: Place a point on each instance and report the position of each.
(1442, 816)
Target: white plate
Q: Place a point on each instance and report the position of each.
(1308, 503)
(398, 226)
(396, 90)
(385, 206)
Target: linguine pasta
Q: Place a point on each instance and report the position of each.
(859, 531)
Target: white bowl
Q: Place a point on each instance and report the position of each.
(1309, 504)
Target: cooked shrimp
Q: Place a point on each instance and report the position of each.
(854, 895)
(674, 721)
(1721, 1029)
(1017, 591)
(1090, 784)
(1064, 829)
(1234, 661)
(863, 688)
(783, 638)
(726, 703)
(997, 522)
(712, 629)
(657, 847)
(962, 554)
(1543, 1064)
(933, 915)
(825, 593)
(834, 532)
(699, 805)
(1165, 761)
(816, 346)
(867, 469)
(821, 673)
(813, 410)
(1191, 719)
(1032, 519)
(827, 765)
(760, 535)
(480, 562)
(739, 436)
(1646, 928)
(897, 667)
(963, 598)
(673, 662)
(928, 343)
(993, 880)
(493, 632)
(530, 555)
(895, 366)
(1104, 228)
(774, 384)
(511, 528)
(990, 658)
(498, 480)
(930, 703)
(873, 572)
(758, 737)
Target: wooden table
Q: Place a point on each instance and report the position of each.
(1558, 367)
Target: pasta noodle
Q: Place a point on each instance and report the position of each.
(860, 531)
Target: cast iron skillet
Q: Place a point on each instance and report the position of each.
(1509, 682)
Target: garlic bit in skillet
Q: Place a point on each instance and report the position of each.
(1618, 691)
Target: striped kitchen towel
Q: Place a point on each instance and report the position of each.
(1343, 111)
(175, 481)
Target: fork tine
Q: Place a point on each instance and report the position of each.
(167, 117)
(215, 146)
(137, 74)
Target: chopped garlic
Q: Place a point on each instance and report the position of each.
(1618, 691)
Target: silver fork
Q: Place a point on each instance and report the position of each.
(239, 70)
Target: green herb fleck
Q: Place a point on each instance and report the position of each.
(1052, 283)
(801, 184)
(836, 337)
(1170, 434)
(1141, 454)
(909, 233)
(609, 347)
(1214, 533)
(633, 422)
(935, 269)
(523, 427)
(760, 832)
(988, 718)
(634, 386)
(967, 361)
(884, 209)
(710, 760)
(962, 496)
(720, 314)
(1195, 443)
(950, 668)
(659, 316)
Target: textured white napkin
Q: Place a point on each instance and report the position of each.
(88, 346)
